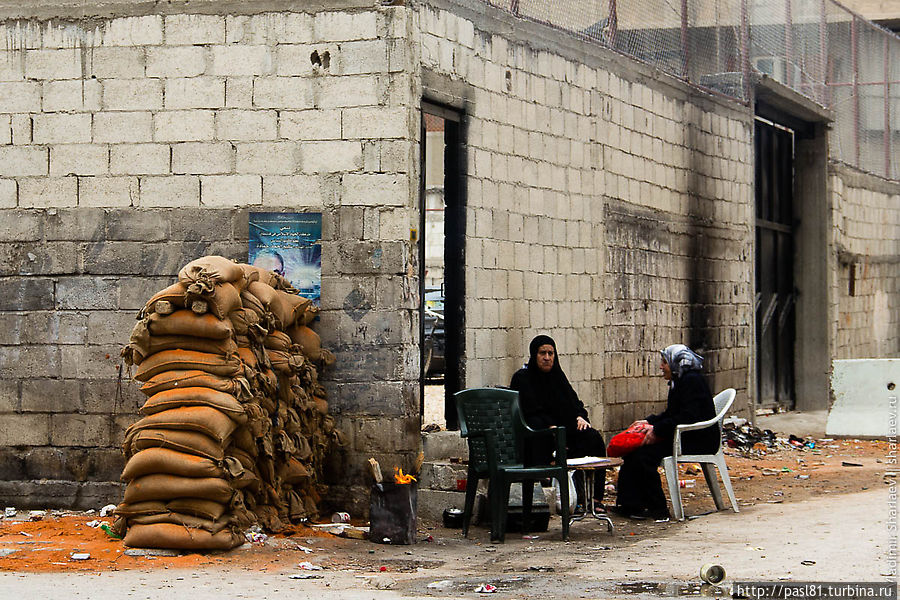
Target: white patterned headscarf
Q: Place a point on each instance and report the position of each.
(680, 358)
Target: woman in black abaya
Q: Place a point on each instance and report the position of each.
(639, 491)
(548, 400)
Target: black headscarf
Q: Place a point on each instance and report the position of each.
(546, 398)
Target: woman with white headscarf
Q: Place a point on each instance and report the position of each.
(639, 491)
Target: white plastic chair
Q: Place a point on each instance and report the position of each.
(723, 402)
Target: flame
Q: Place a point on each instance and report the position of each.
(402, 478)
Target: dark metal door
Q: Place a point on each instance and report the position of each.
(775, 293)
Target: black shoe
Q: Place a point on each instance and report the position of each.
(660, 516)
(630, 513)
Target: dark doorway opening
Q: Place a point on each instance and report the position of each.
(442, 263)
(775, 249)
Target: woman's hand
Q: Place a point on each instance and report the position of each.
(581, 424)
(650, 437)
(642, 425)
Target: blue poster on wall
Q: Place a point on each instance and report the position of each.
(290, 245)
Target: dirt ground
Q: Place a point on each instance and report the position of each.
(786, 476)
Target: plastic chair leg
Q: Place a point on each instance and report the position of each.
(471, 493)
(564, 503)
(671, 469)
(726, 480)
(527, 500)
(709, 472)
(502, 510)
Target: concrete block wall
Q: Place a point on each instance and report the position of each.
(612, 214)
(867, 238)
(130, 145)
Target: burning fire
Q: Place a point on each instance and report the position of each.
(402, 478)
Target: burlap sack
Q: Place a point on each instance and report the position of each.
(221, 298)
(202, 419)
(198, 507)
(288, 308)
(140, 508)
(158, 343)
(243, 319)
(308, 340)
(195, 396)
(252, 273)
(178, 378)
(188, 521)
(277, 340)
(174, 294)
(245, 459)
(170, 535)
(172, 360)
(285, 363)
(248, 357)
(251, 302)
(164, 460)
(160, 486)
(216, 268)
(187, 322)
(292, 471)
(191, 442)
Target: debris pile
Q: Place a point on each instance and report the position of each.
(749, 440)
(236, 425)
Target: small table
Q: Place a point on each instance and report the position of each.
(587, 469)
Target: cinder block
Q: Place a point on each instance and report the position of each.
(53, 64)
(132, 94)
(52, 327)
(9, 193)
(21, 129)
(133, 31)
(79, 159)
(25, 430)
(201, 158)
(23, 161)
(294, 190)
(116, 258)
(51, 395)
(138, 159)
(377, 399)
(230, 190)
(61, 128)
(356, 58)
(75, 225)
(21, 362)
(38, 259)
(278, 92)
(11, 66)
(118, 127)
(74, 95)
(109, 327)
(116, 63)
(99, 396)
(184, 126)
(307, 125)
(268, 158)
(247, 125)
(375, 123)
(241, 60)
(375, 189)
(85, 293)
(137, 225)
(337, 26)
(80, 430)
(28, 293)
(107, 191)
(180, 61)
(135, 291)
(188, 29)
(298, 59)
(49, 192)
(10, 335)
(20, 226)
(239, 92)
(330, 157)
(269, 28)
(86, 362)
(175, 191)
(336, 92)
(195, 92)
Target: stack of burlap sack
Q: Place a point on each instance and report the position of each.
(236, 425)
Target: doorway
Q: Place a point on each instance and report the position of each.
(442, 265)
(775, 256)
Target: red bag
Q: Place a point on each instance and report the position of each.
(628, 441)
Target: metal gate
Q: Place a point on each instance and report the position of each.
(775, 293)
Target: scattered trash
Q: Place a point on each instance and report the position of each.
(7, 551)
(108, 530)
(304, 549)
(530, 537)
(807, 563)
(786, 470)
(443, 584)
(712, 573)
(453, 518)
(25, 533)
(802, 476)
(430, 538)
(37, 515)
(308, 566)
(306, 576)
(151, 552)
(633, 570)
(79, 556)
(850, 464)
(890, 473)
(486, 588)
(107, 510)
(382, 568)
(9, 512)
(686, 483)
(340, 517)
(94, 523)
(541, 569)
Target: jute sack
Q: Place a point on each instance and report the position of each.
(308, 340)
(251, 302)
(178, 378)
(249, 357)
(203, 419)
(140, 508)
(220, 298)
(292, 471)
(188, 521)
(187, 322)
(285, 363)
(191, 442)
(158, 343)
(277, 340)
(199, 507)
(216, 268)
(160, 486)
(170, 535)
(164, 460)
(264, 295)
(252, 273)
(172, 360)
(288, 308)
(174, 295)
(243, 319)
(245, 459)
(195, 396)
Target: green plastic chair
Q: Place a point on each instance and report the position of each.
(491, 420)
